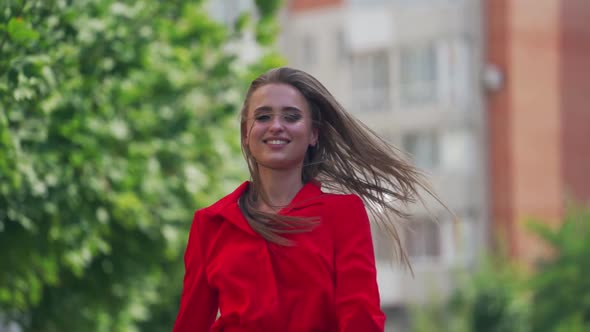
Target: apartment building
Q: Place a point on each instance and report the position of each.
(411, 71)
(539, 120)
(488, 97)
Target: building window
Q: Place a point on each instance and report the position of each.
(418, 74)
(422, 239)
(465, 239)
(367, 3)
(458, 151)
(383, 244)
(423, 147)
(370, 77)
(341, 46)
(308, 50)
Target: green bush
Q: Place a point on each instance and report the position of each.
(497, 297)
(561, 289)
(117, 120)
(487, 300)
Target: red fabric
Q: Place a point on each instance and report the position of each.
(325, 283)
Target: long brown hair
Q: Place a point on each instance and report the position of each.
(348, 158)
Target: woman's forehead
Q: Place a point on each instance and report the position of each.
(277, 96)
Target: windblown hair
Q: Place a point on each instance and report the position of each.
(348, 158)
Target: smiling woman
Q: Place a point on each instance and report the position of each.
(279, 130)
(280, 253)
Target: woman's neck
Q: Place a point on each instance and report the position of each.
(279, 187)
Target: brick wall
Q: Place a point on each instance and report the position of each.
(575, 103)
(539, 122)
(499, 134)
(535, 117)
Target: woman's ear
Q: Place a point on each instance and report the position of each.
(314, 136)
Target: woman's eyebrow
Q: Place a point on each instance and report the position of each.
(261, 109)
(291, 108)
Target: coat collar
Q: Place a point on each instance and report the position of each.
(228, 208)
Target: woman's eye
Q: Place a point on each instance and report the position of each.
(262, 118)
(292, 117)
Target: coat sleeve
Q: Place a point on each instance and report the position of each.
(198, 303)
(356, 290)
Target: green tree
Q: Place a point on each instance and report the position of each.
(555, 298)
(117, 120)
(490, 299)
(561, 289)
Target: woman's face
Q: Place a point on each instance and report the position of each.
(279, 127)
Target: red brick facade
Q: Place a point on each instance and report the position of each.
(539, 132)
(499, 150)
(575, 103)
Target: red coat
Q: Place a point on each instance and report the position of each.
(325, 283)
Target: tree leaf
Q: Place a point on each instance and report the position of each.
(20, 31)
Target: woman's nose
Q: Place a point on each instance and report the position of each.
(276, 124)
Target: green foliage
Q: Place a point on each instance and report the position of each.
(117, 120)
(556, 298)
(561, 292)
(488, 300)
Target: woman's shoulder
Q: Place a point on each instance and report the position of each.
(221, 204)
(345, 213)
(342, 205)
(343, 199)
(205, 218)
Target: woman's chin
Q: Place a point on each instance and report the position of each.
(281, 165)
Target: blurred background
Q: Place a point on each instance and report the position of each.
(118, 119)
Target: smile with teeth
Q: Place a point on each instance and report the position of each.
(277, 141)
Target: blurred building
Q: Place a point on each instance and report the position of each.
(539, 114)
(491, 97)
(411, 71)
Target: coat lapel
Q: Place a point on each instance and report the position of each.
(229, 210)
(308, 195)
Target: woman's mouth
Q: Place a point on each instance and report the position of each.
(276, 141)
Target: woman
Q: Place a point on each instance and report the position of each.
(280, 253)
